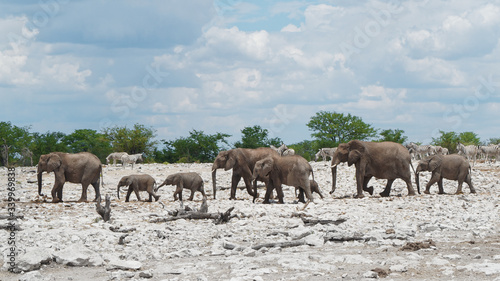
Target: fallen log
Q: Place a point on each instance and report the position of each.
(285, 244)
(217, 217)
(309, 222)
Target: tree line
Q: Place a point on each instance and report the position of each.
(19, 146)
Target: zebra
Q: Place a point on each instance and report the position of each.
(439, 150)
(131, 159)
(490, 151)
(421, 150)
(325, 152)
(470, 151)
(283, 150)
(115, 156)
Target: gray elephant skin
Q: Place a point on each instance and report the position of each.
(83, 167)
(136, 183)
(191, 181)
(291, 170)
(314, 188)
(383, 160)
(242, 161)
(451, 167)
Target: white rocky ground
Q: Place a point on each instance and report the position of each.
(69, 241)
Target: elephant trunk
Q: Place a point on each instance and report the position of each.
(214, 180)
(39, 178)
(417, 180)
(118, 191)
(334, 179)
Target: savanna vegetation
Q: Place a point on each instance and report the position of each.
(19, 146)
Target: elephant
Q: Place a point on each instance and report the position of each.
(314, 188)
(291, 170)
(83, 167)
(190, 180)
(451, 167)
(136, 183)
(383, 160)
(242, 161)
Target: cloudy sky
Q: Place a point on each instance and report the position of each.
(219, 66)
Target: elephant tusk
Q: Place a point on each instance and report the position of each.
(333, 166)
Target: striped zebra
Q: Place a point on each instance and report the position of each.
(489, 151)
(325, 152)
(421, 150)
(470, 151)
(440, 150)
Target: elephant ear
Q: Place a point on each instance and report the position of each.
(356, 151)
(53, 163)
(129, 181)
(267, 166)
(231, 160)
(176, 180)
(434, 163)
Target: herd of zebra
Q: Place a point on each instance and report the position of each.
(472, 152)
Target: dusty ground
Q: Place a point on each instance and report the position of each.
(461, 232)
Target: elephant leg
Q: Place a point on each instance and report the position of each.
(191, 197)
(434, 178)
(365, 184)
(459, 188)
(301, 195)
(85, 186)
(411, 191)
(279, 191)
(248, 185)
(136, 191)
(387, 190)
(469, 183)
(97, 191)
(152, 194)
(440, 186)
(129, 191)
(359, 183)
(150, 199)
(57, 192)
(269, 192)
(234, 185)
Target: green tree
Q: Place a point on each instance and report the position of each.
(256, 136)
(468, 138)
(447, 140)
(13, 140)
(139, 139)
(198, 147)
(306, 149)
(393, 135)
(494, 141)
(47, 143)
(332, 128)
(89, 141)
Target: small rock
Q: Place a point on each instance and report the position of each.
(124, 265)
(370, 274)
(398, 268)
(146, 274)
(33, 259)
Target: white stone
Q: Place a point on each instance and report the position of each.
(124, 265)
(78, 255)
(33, 259)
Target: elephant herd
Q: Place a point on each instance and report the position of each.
(383, 160)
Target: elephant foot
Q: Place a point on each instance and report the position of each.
(82, 200)
(383, 194)
(359, 196)
(427, 192)
(56, 200)
(266, 202)
(459, 192)
(441, 193)
(157, 197)
(473, 191)
(370, 190)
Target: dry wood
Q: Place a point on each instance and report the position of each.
(105, 212)
(285, 244)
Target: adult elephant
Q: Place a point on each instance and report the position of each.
(291, 170)
(383, 160)
(83, 167)
(242, 161)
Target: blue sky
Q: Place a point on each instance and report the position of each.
(219, 66)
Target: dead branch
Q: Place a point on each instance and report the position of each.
(285, 244)
(105, 212)
(309, 222)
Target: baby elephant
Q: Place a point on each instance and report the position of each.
(452, 167)
(191, 181)
(314, 188)
(138, 183)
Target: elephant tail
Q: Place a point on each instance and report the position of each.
(417, 180)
